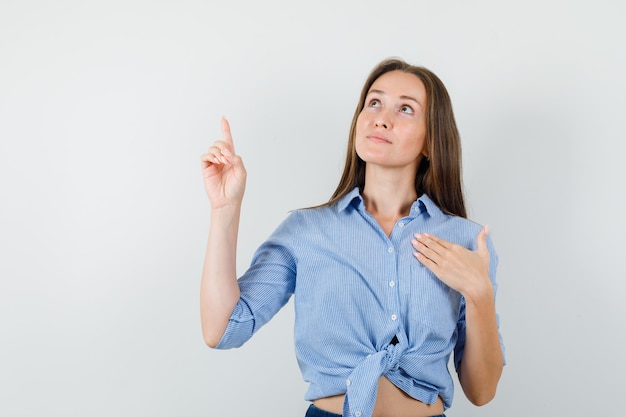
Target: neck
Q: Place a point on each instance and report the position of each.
(389, 196)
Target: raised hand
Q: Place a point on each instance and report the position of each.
(461, 269)
(223, 171)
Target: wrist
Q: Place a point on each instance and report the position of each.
(226, 210)
(479, 293)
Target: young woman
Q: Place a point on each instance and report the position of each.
(389, 276)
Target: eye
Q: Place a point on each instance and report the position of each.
(406, 109)
(374, 103)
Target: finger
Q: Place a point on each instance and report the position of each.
(431, 242)
(209, 160)
(226, 135)
(442, 242)
(213, 158)
(220, 150)
(425, 251)
(426, 261)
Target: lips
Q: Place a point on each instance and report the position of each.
(378, 138)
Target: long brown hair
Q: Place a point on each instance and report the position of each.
(439, 175)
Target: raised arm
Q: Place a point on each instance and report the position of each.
(468, 273)
(224, 180)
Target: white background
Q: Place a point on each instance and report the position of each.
(106, 107)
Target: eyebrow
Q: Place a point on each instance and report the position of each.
(404, 97)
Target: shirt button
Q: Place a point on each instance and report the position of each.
(357, 414)
(401, 224)
(390, 249)
(348, 382)
(393, 317)
(392, 284)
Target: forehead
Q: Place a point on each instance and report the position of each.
(399, 83)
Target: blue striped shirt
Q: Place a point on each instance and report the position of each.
(356, 290)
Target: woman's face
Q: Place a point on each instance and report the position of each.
(391, 128)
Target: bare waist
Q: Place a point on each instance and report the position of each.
(391, 401)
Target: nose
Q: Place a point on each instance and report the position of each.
(383, 120)
(381, 123)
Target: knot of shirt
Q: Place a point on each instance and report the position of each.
(362, 384)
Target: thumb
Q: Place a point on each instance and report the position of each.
(481, 241)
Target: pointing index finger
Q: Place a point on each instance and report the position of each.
(226, 135)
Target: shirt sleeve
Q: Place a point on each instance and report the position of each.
(265, 287)
(461, 324)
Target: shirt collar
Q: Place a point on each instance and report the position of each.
(425, 205)
(422, 205)
(347, 199)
